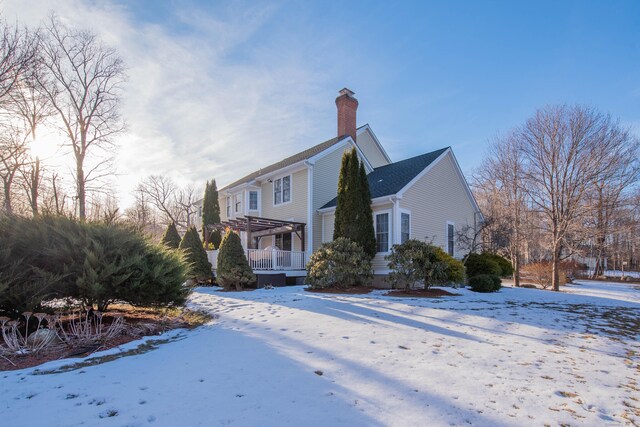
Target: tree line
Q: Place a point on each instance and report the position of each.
(68, 80)
(563, 185)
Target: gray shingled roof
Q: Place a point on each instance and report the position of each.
(303, 155)
(389, 179)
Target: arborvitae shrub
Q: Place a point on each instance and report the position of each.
(195, 255)
(211, 215)
(171, 237)
(341, 264)
(233, 271)
(485, 283)
(354, 217)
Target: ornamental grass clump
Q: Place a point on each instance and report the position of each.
(339, 264)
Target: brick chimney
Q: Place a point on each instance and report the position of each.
(347, 106)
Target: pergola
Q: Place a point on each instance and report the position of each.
(256, 226)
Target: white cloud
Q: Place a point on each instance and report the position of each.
(194, 110)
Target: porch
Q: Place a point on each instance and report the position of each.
(266, 261)
(277, 257)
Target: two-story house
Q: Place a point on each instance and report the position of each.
(285, 210)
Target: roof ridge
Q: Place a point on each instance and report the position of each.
(287, 161)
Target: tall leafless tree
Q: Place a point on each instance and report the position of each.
(502, 173)
(13, 157)
(565, 150)
(84, 84)
(18, 54)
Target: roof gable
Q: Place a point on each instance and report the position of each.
(390, 179)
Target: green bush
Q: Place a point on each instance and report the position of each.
(477, 264)
(506, 268)
(56, 257)
(171, 237)
(195, 255)
(485, 283)
(487, 263)
(341, 264)
(454, 270)
(415, 260)
(233, 269)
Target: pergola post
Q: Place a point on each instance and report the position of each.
(248, 230)
(302, 239)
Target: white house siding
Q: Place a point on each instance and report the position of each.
(370, 149)
(295, 210)
(437, 197)
(326, 172)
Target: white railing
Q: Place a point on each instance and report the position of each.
(269, 259)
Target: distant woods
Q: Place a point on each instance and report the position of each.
(563, 185)
(66, 80)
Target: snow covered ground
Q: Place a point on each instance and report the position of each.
(620, 273)
(287, 357)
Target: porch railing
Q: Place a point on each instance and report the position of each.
(268, 259)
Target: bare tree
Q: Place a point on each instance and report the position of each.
(565, 150)
(606, 198)
(17, 55)
(83, 83)
(161, 193)
(13, 156)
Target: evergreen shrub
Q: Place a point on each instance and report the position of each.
(233, 271)
(485, 283)
(339, 264)
(195, 255)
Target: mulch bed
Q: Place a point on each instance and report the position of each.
(140, 322)
(356, 290)
(421, 293)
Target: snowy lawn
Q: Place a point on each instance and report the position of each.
(289, 357)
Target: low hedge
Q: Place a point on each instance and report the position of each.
(485, 283)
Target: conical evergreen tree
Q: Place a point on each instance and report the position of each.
(342, 207)
(366, 235)
(195, 254)
(171, 238)
(211, 214)
(233, 268)
(354, 218)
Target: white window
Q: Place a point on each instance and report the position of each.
(238, 200)
(253, 200)
(228, 206)
(405, 227)
(382, 232)
(451, 238)
(282, 190)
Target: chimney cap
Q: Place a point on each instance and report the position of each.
(347, 92)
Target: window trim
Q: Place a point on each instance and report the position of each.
(404, 212)
(446, 239)
(273, 190)
(237, 202)
(229, 207)
(389, 231)
(249, 200)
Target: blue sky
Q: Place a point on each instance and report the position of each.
(263, 75)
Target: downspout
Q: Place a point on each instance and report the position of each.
(310, 211)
